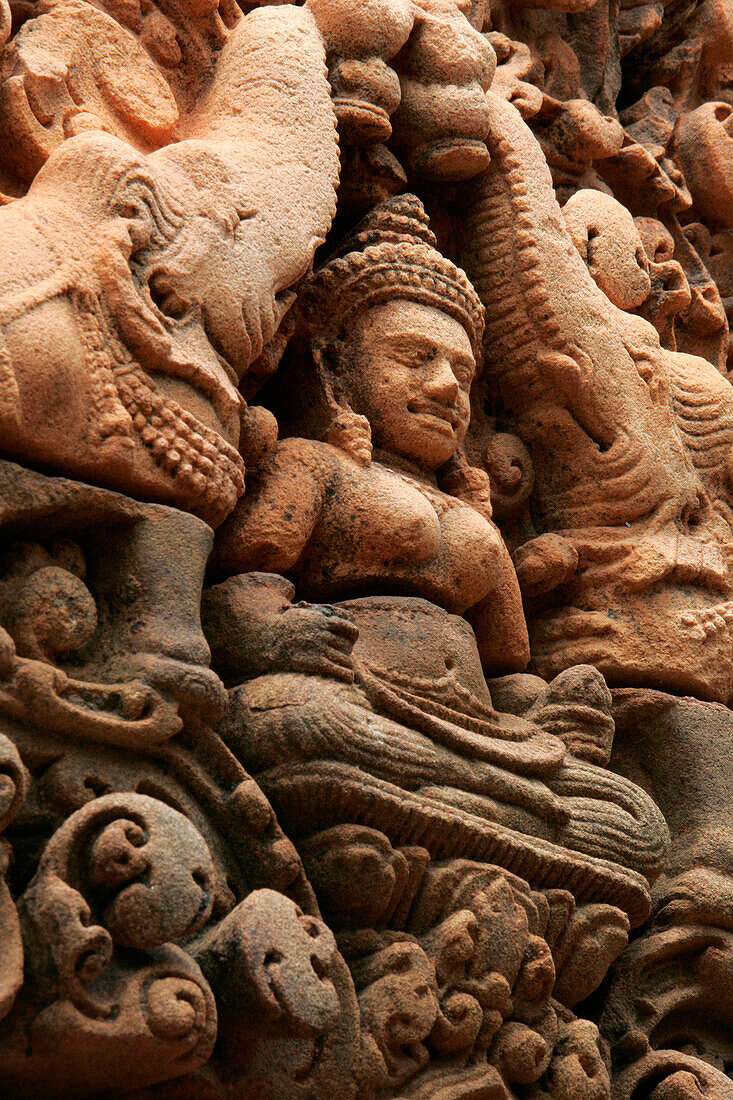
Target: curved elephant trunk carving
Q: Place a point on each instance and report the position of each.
(597, 400)
(587, 382)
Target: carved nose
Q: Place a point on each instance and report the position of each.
(443, 383)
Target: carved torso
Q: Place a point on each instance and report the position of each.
(339, 528)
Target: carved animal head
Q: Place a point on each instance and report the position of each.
(107, 367)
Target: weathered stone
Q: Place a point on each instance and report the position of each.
(366, 549)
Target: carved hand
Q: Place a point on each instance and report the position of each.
(318, 639)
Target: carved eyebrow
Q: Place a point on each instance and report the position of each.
(401, 341)
(460, 359)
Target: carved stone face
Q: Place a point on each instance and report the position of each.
(410, 371)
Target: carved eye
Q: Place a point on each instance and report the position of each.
(283, 301)
(166, 299)
(411, 357)
(463, 374)
(592, 234)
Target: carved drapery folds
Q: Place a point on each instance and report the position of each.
(366, 549)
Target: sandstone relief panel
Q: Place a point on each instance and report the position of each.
(366, 549)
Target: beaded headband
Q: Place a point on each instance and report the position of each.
(392, 254)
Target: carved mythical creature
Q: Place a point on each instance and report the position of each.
(608, 240)
(678, 965)
(612, 420)
(139, 288)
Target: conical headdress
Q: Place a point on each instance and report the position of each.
(392, 254)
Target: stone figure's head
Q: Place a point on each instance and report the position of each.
(604, 233)
(128, 313)
(397, 337)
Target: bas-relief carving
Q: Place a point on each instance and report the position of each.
(402, 375)
(363, 794)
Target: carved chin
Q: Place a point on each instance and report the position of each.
(431, 438)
